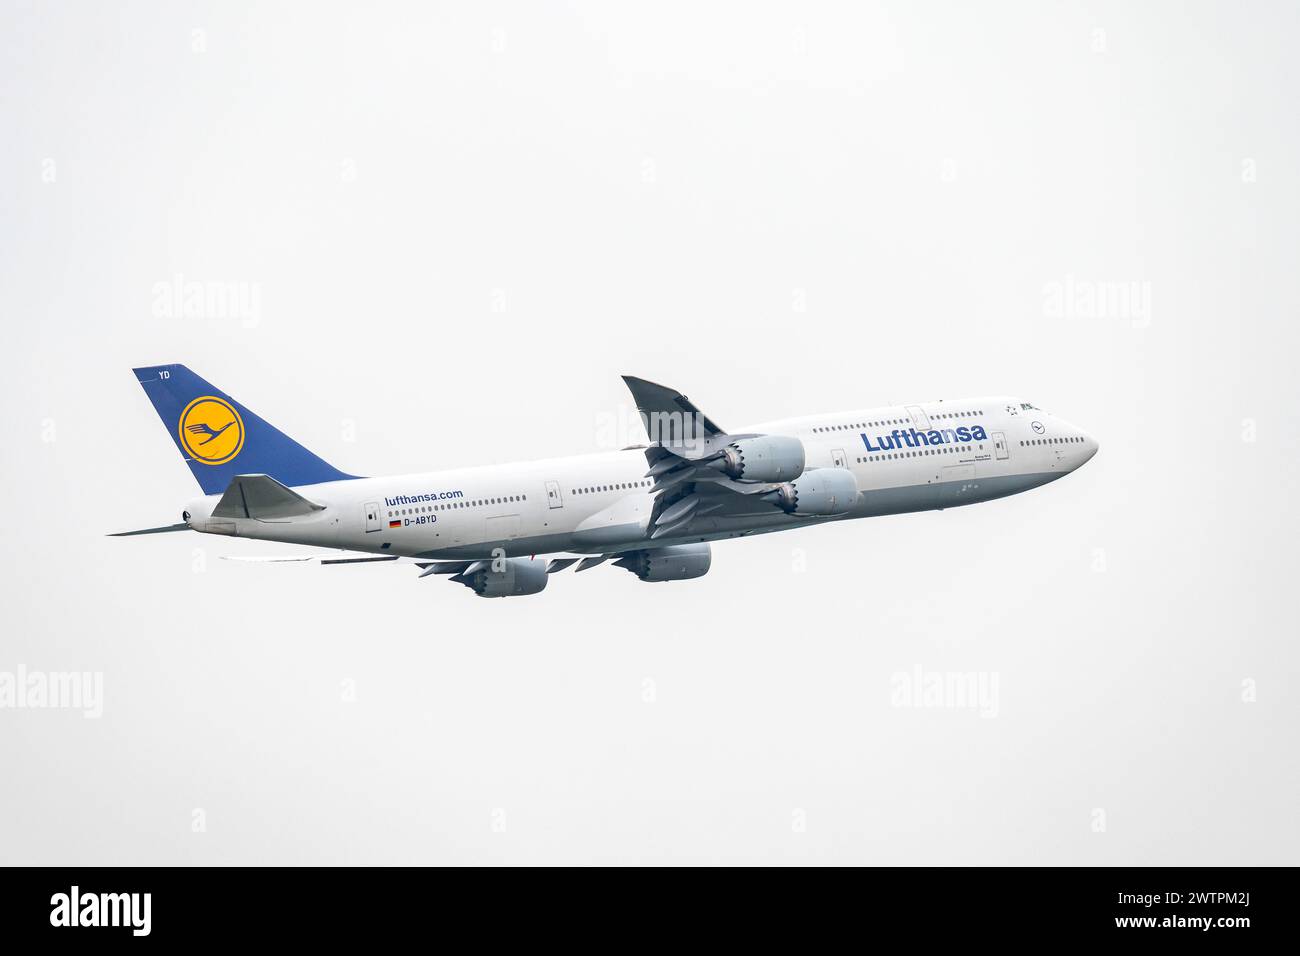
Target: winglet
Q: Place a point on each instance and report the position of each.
(668, 415)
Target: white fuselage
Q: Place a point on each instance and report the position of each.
(601, 503)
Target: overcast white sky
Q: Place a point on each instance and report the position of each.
(450, 228)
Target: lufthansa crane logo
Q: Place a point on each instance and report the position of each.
(211, 430)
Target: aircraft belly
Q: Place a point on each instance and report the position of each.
(607, 537)
(964, 489)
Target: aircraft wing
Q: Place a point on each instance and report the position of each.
(685, 458)
(667, 414)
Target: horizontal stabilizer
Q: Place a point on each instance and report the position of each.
(319, 559)
(268, 559)
(263, 498)
(170, 527)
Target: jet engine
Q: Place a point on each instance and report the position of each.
(821, 491)
(765, 458)
(679, 562)
(517, 576)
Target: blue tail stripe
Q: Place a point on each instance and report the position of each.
(228, 444)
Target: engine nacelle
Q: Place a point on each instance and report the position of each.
(517, 576)
(822, 491)
(765, 458)
(679, 562)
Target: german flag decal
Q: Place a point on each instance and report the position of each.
(394, 524)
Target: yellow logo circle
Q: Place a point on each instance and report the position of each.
(211, 430)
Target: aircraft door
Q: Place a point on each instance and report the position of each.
(838, 458)
(373, 518)
(1000, 446)
(919, 418)
(553, 498)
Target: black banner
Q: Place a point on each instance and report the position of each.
(976, 906)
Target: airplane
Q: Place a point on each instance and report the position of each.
(651, 508)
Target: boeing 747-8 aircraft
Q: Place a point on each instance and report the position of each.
(652, 508)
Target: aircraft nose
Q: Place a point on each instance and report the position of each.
(1090, 446)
